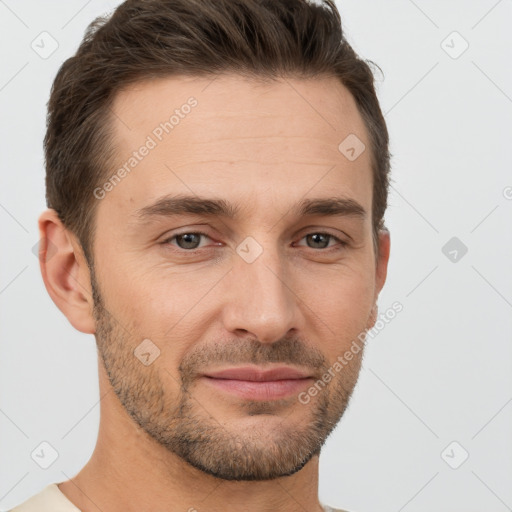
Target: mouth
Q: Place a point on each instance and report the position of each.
(254, 383)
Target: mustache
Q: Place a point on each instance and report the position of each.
(242, 351)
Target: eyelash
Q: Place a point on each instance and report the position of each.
(342, 243)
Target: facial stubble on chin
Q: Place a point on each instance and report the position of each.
(190, 430)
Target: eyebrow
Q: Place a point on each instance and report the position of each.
(167, 206)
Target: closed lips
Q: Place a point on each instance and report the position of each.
(259, 375)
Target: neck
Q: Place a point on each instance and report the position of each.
(130, 471)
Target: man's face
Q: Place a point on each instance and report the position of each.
(264, 287)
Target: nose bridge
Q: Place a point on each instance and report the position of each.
(260, 298)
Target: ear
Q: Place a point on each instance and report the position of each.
(65, 272)
(382, 260)
(381, 271)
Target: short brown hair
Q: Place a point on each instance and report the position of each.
(144, 39)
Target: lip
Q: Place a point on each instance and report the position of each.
(252, 373)
(254, 383)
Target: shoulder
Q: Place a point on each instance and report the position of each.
(327, 508)
(50, 499)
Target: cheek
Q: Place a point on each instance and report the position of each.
(340, 306)
(168, 311)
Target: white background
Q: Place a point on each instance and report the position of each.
(440, 372)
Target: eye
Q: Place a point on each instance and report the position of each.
(321, 240)
(188, 240)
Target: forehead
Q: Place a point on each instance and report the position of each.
(254, 142)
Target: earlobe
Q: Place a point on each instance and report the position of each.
(373, 317)
(65, 272)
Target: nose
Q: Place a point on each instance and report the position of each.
(260, 300)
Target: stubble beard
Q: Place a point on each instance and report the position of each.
(191, 430)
